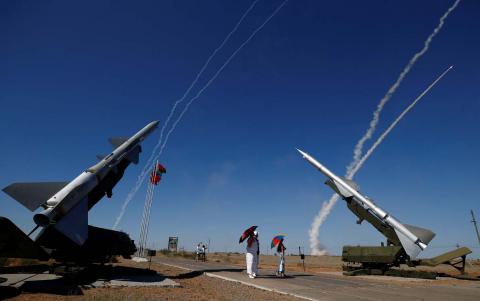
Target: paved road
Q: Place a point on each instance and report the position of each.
(334, 286)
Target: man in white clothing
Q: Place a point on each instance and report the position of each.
(253, 250)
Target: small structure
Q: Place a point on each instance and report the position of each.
(173, 243)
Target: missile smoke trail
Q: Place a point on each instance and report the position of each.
(199, 93)
(148, 164)
(144, 172)
(207, 62)
(327, 206)
(393, 124)
(357, 153)
(315, 247)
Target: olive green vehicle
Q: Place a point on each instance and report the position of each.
(385, 259)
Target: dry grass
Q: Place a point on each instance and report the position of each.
(317, 264)
(313, 264)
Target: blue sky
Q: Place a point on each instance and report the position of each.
(74, 74)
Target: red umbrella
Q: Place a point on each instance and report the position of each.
(277, 240)
(247, 233)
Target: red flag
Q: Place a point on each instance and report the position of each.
(156, 174)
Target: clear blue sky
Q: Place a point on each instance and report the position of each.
(74, 74)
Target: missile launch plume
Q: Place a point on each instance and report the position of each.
(162, 146)
(327, 206)
(357, 153)
(316, 248)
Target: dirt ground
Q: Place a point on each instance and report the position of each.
(193, 287)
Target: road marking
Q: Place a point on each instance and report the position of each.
(259, 286)
(241, 282)
(174, 266)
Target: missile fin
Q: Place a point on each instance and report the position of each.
(134, 155)
(100, 157)
(339, 189)
(16, 244)
(117, 141)
(33, 195)
(74, 225)
(410, 246)
(425, 235)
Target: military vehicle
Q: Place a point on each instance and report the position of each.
(403, 242)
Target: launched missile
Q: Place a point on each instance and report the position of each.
(413, 239)
(66, 204)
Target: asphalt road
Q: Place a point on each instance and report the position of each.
(331, 286)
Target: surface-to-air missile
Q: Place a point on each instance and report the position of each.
(66, 204)
(404, 242)
(412, 238)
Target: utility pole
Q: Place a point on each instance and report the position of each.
(475, 225)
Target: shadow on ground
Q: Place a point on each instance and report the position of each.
(74, 283)
(194, 274)
(7, 292)
(272, 276)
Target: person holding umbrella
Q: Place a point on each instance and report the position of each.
(253, 250)
(255, 243)
(278, 242)
(281, 267)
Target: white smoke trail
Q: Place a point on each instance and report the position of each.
(152, 157)
(327, 206)
(316, 248)
(143, 173)
(357, 153)
(393, 124)
(199, 93)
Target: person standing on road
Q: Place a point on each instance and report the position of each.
(256, 258)
(197, 252)
(281, 266)
(204, 253)
(253, 251)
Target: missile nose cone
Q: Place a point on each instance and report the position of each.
(301, 152)
(155, 123)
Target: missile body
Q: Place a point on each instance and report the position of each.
(412, 244)
(92, 184)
